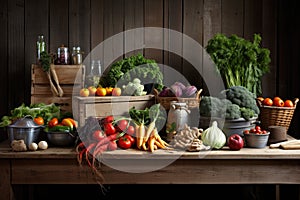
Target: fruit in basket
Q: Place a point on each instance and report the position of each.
(268, 101)
(235, 142)
(288, 103)
(277, 101)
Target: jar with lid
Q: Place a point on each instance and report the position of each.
(62, 56)
(76, 56)
(179, 114)
(94, 76)
(40, 47)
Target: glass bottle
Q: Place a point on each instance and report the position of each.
(90, 77)
(40, 46)
(97, 72)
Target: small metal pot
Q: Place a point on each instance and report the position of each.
(24, 129)
(61, 138)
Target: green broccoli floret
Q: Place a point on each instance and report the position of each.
(241, 96)
(229, 110)
(232, 111)
(210, 106)
(247, 113)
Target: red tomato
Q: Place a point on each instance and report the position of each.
(53, 122)
(39, 120)
(131, 138)
(246, 131)
(112, 145)
(268, 102)
(278, 102)
(109, 129)
(98, 135)
(288, 103)
(130, 130)
(109, 119)
(124, 142)
(122, 124)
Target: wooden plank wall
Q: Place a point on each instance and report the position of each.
(88, 23)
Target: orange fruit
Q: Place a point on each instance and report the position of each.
(101, 91)
(288, 103)
(109, 91)
(268, 102)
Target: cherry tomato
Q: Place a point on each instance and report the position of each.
(124, 142)
(39, 120)
(53, 122)
(268, 102)
(109, 119)
(130, 130)
(109, 129)
(98, 135)
(122, 124)
(288, 103)
(246, 131)
(277, 101)
(131, 138)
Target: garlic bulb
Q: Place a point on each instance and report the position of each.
(213, 136)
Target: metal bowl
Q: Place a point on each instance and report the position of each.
(24, 129)
(61, 138)
(254, 140)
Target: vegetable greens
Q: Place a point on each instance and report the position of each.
(240, 62)
(136, 66)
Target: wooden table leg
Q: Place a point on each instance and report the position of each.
(5, 180)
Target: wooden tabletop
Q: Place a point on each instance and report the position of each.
(224, 153)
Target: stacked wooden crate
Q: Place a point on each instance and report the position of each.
(70, 78)
(85, 107)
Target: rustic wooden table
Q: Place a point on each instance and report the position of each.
(60, 166)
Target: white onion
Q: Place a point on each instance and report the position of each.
(43, 145)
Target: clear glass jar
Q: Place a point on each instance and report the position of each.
(94, 76)
(76, 56)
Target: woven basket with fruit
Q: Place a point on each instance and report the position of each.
(276, 111)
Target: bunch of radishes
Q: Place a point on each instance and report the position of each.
(178, 89)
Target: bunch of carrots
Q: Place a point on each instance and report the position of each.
(147, 137)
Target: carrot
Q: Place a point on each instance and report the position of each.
(87, 152)
(151, 143)
(80, 155)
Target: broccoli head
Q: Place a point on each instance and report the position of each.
(210, 106)
(233, 111)
(247, 113)
(241, 96)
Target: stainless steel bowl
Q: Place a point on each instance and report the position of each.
(61, 138)
(24, 129)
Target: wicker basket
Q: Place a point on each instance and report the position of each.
(165, 101)
(276, 116)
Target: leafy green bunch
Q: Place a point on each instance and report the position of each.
(136, 66)
(239, 61)
(47, 111)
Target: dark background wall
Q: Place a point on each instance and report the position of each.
(87, 23)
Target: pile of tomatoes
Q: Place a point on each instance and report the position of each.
(120, 131)
(256, 130)
(276, 101)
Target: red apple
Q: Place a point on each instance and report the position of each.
(235, 142)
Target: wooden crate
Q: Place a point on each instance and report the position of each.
(84, 107)
(71, 79)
